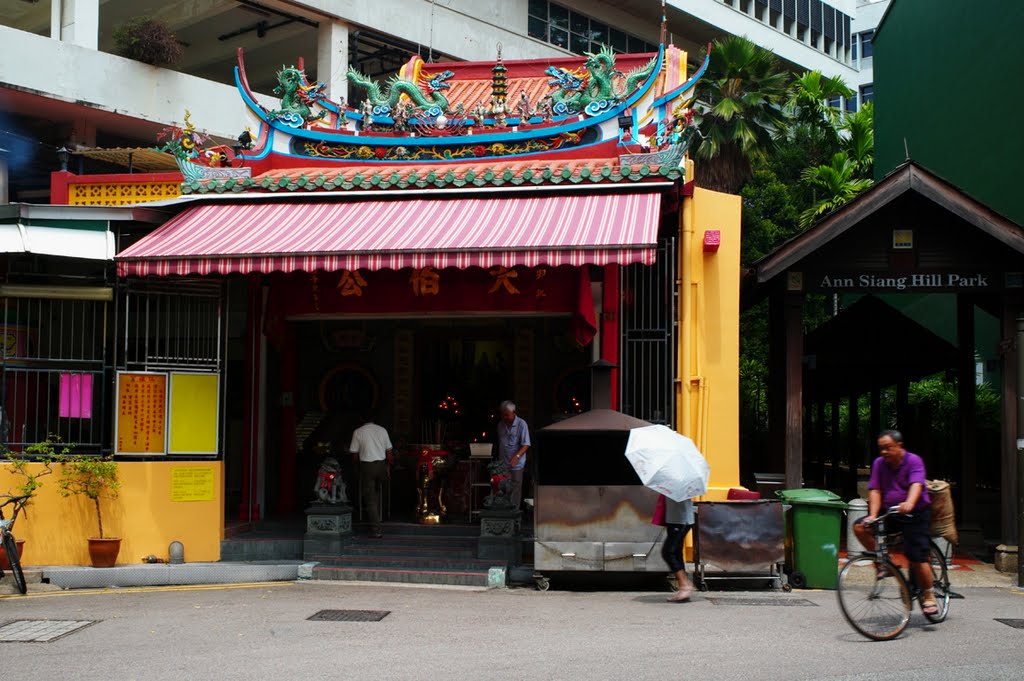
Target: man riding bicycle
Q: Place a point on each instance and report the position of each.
(898, 479)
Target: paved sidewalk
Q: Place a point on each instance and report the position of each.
(55, 578)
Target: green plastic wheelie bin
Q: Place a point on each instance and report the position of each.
(813, 524)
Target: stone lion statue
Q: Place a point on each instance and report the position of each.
(501, 486)
(330, 486)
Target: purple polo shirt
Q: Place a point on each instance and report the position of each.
(895, 484)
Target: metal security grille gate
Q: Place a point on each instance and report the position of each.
(647, 318)
(173, 325)
(55, 365)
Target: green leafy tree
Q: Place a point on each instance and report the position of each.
(93, 477)
(859, 139)
(808, 104)
(835, 183)
(744, 90)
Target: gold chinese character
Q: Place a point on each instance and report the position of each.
(425, 281)
(503, 279)
(541, 272)
(351, 283)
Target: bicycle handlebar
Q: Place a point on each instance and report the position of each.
(892, 510)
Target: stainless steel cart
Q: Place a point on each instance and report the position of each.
(740, 540)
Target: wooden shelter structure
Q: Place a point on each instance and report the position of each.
(912, 233)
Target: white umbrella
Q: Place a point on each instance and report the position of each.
(668, 462)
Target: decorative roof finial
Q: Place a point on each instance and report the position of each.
(664, 22)
(499, 80)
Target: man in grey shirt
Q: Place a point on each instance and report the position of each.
(513, 441)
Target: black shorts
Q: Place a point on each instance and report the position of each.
(916, 529)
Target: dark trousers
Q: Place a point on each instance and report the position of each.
(516, 493)
(372, 476)
(672, 549)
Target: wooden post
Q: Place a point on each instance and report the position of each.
(794, 445)
(1009, 355)
(966, 399)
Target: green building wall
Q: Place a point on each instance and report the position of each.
(949, 81)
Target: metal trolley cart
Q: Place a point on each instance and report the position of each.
(739, 540)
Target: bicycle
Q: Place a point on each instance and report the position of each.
(11, 547)
(875, 596)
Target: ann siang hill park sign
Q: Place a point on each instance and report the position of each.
(918, 282)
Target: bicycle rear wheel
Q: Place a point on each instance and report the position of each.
(11, 548)
(874, 597)
(940, 582)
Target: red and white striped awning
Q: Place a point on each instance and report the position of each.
(395, 233)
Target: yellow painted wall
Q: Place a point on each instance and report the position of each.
(709, 347)
(55, 529)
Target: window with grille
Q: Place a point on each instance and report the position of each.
(55, 368)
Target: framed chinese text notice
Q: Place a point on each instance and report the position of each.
(140, 420)
(194, 411)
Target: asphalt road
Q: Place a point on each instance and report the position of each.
(255, 632)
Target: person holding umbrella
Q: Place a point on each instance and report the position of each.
(678, 521)
(670, 463)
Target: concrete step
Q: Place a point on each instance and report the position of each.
(249, 549)
(450, 552)
(32, 576)
(477, 578)
(405, 563)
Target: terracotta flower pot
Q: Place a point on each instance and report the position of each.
(4, 563)
(103, 552)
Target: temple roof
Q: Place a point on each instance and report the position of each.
(492, 174)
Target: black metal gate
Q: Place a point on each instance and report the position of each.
(647, 319)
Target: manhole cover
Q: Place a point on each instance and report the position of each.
(1016, 624)
(350, 615)
(40, 631)
(761, 601)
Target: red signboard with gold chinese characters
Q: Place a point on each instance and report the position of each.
(141, 413)
(426, 290)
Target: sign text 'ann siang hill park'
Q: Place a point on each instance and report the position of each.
(905, 282)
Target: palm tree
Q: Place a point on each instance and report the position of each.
(835, 183)
(743, 90)
(859, 139)
(809, 99)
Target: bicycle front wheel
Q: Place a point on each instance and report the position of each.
(11, 549)
(940, 582)
(874, 597)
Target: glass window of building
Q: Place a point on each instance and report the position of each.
(577, 32)
(866, 49)
(867, 93)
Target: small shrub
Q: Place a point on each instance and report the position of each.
(148, 40)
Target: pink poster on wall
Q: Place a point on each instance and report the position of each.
(75, 396)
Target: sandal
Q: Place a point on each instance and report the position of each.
(682, 595)
(929, 607)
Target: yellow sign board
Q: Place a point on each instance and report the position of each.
(192, 483)
(141, 408)
(195, 400)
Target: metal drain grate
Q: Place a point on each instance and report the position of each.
(350, 615)
(762, 601)
(1016, 624)
(40, 631)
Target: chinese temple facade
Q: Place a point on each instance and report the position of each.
(462, 234)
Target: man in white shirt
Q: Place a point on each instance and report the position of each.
(372, 445)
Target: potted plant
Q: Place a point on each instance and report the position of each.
(21, 466)
(148, 40)
(95, 478)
